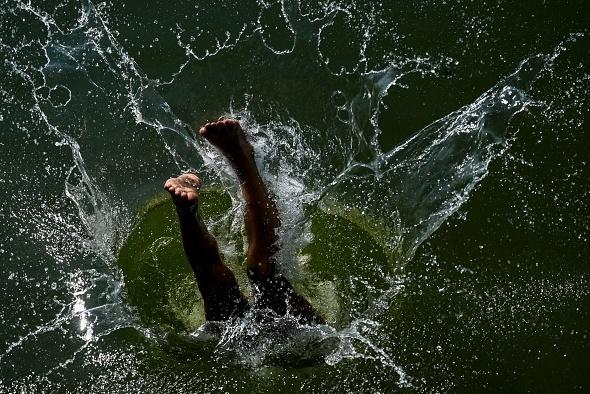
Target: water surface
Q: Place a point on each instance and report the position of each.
(454, 132)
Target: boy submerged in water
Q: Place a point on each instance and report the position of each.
(219, 289)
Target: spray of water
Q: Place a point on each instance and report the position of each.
(116, 159)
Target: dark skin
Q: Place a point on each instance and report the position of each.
(217, 284)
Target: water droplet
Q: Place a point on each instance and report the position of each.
(338, 98)
(343, 115)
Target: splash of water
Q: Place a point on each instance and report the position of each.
(400, 197)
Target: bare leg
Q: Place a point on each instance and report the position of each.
(217, 284)
(261, 220)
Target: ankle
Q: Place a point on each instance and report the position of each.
(185, 211)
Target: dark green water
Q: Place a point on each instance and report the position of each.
(456, 132)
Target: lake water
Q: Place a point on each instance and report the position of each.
(455, 133)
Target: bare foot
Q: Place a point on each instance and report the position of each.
(227, 136)
(184, 190)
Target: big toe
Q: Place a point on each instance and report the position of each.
(231, 123)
